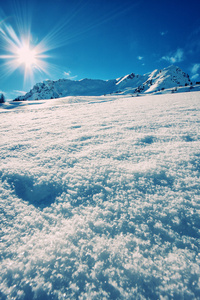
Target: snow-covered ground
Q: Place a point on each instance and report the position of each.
(100, 198)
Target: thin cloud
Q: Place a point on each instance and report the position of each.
(140, 57)
(175, 57)
(68, 75)
(195, 68)
(194, 77)
(19, 92)
(163, 32)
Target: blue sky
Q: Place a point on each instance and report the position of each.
(102, 39)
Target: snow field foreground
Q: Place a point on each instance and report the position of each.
(100, 199)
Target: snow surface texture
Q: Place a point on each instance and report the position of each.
(100, 199)
(157, 81)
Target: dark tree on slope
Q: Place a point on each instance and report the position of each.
(2, 98)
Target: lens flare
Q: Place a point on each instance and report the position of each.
(21, 53)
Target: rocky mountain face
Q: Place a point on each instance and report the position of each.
(158, 80)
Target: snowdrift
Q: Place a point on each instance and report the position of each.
(100, 199)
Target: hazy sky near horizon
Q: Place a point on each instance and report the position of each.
(102, 39)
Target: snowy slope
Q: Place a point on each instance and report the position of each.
(157, 80)
(100, 198)
(65, 87)
(166, 78)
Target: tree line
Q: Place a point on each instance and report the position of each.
(2, 98)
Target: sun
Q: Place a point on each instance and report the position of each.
(27, 56)
(22, 53)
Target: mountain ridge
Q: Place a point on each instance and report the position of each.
(158, 80)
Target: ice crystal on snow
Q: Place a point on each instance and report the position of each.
(100, 198)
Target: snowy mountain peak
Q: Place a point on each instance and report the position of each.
(158, 80)
(126, 78)
(173, 68)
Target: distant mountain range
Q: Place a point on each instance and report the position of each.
(167, 80)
